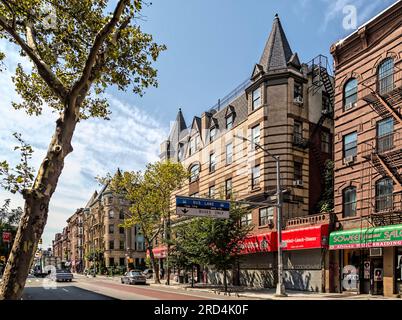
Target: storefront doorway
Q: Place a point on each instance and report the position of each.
(362, 272)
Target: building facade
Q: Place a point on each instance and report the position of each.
(75, 225)
(366, 249)
(57, 245)
(285, 107)
(118, 246)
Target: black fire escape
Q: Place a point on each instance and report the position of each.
(385, 154)
(321, 79)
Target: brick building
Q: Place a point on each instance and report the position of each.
(75, 226)
(57, 245)
(285, 106)
(368, 157)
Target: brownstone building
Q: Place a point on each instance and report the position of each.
(285, 106)
(118, 246)
(366, 250)
(57, 245)
(75, 227)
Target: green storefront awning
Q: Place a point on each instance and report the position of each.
(387, 236)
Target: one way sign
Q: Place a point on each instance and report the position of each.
(201, 207)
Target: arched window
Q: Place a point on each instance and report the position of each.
(384, 189)
(350, 94)
(385, 76)
(349, 202)
(194, 172)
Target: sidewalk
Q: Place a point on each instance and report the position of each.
(255, 293)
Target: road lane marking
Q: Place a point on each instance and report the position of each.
(65, 289)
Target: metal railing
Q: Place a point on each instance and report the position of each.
(385, 143)
(321, 218)
(235, 93)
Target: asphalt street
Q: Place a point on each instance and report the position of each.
(83, 288)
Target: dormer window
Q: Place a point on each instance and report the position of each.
(229, 121)
(256, 95)
(193, 145)
(212, 134)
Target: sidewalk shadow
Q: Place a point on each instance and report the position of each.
(67, 292)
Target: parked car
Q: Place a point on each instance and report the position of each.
(133, 277)
(148, 273)
(62, 275)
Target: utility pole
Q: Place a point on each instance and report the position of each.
(280, 288)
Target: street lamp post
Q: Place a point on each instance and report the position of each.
(280, 288)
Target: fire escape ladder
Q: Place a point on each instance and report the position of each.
(319, 68)
(391, 170)
(387, 107)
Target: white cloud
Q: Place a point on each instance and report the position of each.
(129, 140)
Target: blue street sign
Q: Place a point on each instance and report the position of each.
(200, 207)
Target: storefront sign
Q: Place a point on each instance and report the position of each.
(306, 238)
(6, 236)
(159, 253)
(366, 270)
(388, 236)
(266, 242)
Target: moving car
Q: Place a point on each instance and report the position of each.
(62, 275)
(148, 273)
(133, 277)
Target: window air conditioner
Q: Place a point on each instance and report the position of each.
(375, 252)
(298, 100)
(348, 160)
(298, 183)
(350, 105)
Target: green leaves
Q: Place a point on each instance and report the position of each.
(61, 33)
(21, 176)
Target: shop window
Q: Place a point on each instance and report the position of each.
(349, 202)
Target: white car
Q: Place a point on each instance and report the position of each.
(133, 277)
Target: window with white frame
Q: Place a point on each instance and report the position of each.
(255, 177)
(194, 172)
(247, 219)
(212, 134)
(229, 121)
(229, 153)
(212, 162)
(256, 95)
(255, 135)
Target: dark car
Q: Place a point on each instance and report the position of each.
(62, 275)
(133, 277)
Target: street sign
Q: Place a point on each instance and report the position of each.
(6, 236)
(201, 207)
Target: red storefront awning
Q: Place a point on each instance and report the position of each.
(159, 252)
(259, 243)
(306, 238)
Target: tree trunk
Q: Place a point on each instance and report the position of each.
(225, 280)
(36, 207)
(154, 265)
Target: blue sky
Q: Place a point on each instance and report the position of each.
(212, 47)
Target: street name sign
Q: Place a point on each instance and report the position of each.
(201, 207)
